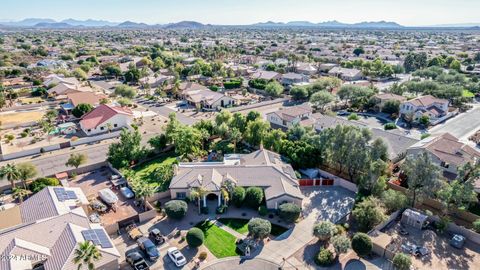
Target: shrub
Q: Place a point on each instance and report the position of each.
(195, 237)
(253, 197)
(262, 210)
(40, 183)
(424, 136)
(81, 109)
(368, 213)
(203, 255)
(402, 261)
(389, 126)
(23, 134)
(324, 230)
(259, 228)
(221, 209)
(394, 200)
(340, 229)
(353, 116)
(362, 244)
(476, 225)
(238, 196)
(289, 212)
(324, 258)
(442, 224)
(176, 209)
(341, 244)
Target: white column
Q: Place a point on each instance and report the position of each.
(204, 201)
(219, 199)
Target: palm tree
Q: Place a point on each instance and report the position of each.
(10, 171)
(86, 254)
(141, 188)
(20, 194)
(198, 193)
(26, 171)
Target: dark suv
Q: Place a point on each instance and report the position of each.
(150, 249)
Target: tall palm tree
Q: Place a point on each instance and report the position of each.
(10, 171)
(198, 193)
(26, 171)
(86, 254)
(20, 194)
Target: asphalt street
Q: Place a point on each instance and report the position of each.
(461, 126)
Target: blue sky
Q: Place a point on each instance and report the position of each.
(406, 12)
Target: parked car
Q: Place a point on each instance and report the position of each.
(135, 259)
(156, 236)
(108, 196)
(127, 192)
(176, 256)
(343, 113)
(150, 249)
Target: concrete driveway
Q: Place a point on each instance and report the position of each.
(320, 203)
(461, 126)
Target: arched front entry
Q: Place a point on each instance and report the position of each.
(213, 197)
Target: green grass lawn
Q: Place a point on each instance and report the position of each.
(241, 225)
(144, 170)
(467, 94)
(218, 241)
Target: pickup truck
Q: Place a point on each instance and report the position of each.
(136, 260)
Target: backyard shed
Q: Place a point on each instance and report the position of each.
(414, 218)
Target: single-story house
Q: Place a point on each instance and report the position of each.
(346, 74)
(106, 118)
(199, 95)
(293, 78)
(266, 75)
(45, 230)
(262, 168)
(287, 118)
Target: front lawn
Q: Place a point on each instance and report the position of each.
(219, 242)
(145, 170)
(241, 226)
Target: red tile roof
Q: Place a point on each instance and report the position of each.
(101, 114)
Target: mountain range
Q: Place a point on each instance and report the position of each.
(73, 23)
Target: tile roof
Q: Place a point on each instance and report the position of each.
(101, 114)
(85, 97)
(427, 101)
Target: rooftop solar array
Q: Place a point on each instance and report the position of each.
(98, 237)
(63, 195)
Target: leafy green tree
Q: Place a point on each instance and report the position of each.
(163, 174)
(86, 254)
(259, 228)
(41, 183)
(274, 140)
(362, 244)
(461, 192)
(394, 200)
(238, 196)
(128, 150)
(159, 142)
(256, 131)
(125, 91)
(299, 93)
(76, 160)
(289, 212)
(274, 89)
(176, 209)
(368, 213)
(81, 109)
(358, 51)
(80, 74)
(423, 177)
(324, 230)
(402, 261)
(26, 171)
(391, 107)
(142, 189)
(188, 142)
(252, 116)
(195, 237)
(253, 197)
(321, 98)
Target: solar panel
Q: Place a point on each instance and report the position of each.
(98, 237)
(63, 195)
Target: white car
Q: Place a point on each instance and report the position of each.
(176, 256)
(108, 196)
(127, 193)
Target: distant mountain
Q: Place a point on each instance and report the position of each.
(184, 24)
(55, 25)
(129, 24)
(89, 23)
(301, 23)
(454, 25)
(380, 24)
(29, 22)
(332, 24)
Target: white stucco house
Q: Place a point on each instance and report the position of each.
(289, 117)
(262, 168)
(106, 118)
(202, 97)
(435, 109)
